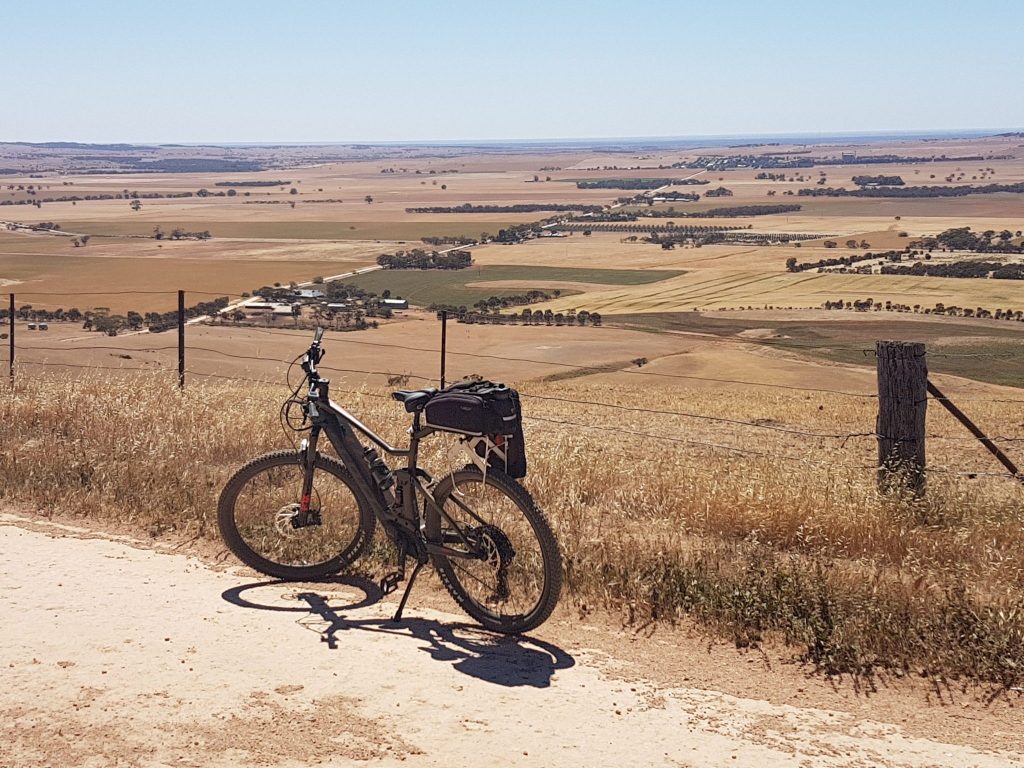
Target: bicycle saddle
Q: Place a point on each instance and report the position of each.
(414, 399)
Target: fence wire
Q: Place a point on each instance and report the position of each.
(797, 431)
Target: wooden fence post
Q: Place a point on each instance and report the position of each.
(902, 406)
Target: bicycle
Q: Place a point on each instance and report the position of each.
(301, 515)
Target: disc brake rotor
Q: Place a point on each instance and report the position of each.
(284, 521)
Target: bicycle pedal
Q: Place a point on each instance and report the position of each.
(390, 582)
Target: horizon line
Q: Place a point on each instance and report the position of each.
(866, 134)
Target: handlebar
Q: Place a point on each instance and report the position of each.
(314, 355)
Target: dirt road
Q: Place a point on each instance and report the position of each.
(113, 655)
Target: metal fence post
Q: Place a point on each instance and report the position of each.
(181, 339)
(902, 406)
(10, 319)
(444, 342)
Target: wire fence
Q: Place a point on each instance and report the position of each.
(191, 358)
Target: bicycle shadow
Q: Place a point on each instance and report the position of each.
(510, 661)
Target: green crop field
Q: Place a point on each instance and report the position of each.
(467, 286)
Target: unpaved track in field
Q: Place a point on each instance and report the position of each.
(118, 656)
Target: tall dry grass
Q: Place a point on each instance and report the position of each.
(794, 544)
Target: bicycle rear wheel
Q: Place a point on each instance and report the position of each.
(259, 508)
(514, 586)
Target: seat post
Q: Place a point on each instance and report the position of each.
(414, 442)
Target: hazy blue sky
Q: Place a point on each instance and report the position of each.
(339, 71)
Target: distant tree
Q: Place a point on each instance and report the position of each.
(203, 193)
(136, 205)
(232, 192)
(368, 199)
(293, 191)
(85, 239)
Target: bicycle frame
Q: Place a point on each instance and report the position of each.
(398, 509)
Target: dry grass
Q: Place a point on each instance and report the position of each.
(799, 548)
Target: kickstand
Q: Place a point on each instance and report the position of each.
(405, 595)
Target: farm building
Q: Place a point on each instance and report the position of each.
(309, 293)
(395, 303)
(264, 306)
(260, 306)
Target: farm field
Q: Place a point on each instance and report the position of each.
(467, 286)
(715, 288)
(124, 274)
(296, 219)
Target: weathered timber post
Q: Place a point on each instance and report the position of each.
(181, 339)
(902, 405)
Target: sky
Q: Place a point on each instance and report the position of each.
(315, 71)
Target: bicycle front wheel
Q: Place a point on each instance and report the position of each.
(512, 582)
(260, 520)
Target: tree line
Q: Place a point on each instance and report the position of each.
(99, 318)
(721, 212)
(878, 181)
(518, 208)
(37, 201)
(914, 192)
(418, 258)
(252, 183)
(527, 317)
(869, 305)
(967, 269)
(636, 183)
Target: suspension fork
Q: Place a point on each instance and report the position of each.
(308, 464)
